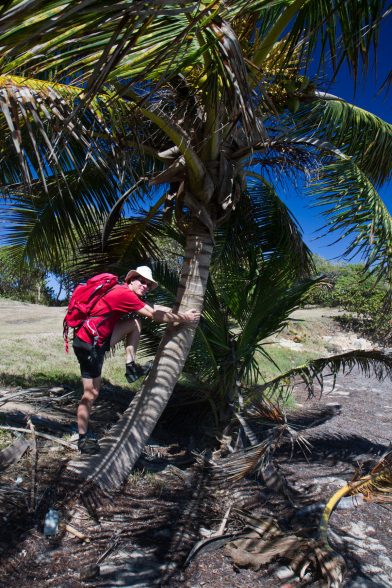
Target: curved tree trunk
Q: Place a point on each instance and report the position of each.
(122, 448)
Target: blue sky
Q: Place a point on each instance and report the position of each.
(368, 97)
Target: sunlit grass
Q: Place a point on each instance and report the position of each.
(33, 353)
(284, 358)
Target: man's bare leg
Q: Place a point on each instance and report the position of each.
(130, 331)
(91, 387)
(87, 442)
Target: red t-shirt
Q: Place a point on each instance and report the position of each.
(117, 302)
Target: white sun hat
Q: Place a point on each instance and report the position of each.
(145, 272)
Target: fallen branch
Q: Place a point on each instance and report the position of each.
(33, 465)
(43, 435)
(75, 532)
(223, 524)
(13, 453)
(4, 398)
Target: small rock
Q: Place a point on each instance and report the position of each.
(89, 572)
(56, 390)
(285, 573)
(310, 509)
(335, 405)
(350, 502)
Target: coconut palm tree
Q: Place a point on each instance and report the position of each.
(194, 97)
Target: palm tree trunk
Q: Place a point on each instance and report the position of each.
(122, 448)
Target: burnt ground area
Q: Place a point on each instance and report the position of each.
(143, 534)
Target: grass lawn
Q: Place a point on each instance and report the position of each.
(33, 351)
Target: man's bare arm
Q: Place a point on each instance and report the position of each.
(163, 314)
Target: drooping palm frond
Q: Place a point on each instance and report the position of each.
(130, 46)
(358, 133)
(64, 229)
(262, 218)
(133, 241)
(354, 208)
(34, 124)
(89, 33)
(370, 363)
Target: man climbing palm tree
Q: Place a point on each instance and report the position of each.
(115, 320)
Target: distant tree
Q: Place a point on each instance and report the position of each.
(355, 289)
(28, 285)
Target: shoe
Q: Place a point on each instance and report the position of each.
(133, 371)
(88, 446)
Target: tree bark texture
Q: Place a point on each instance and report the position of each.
(122, 447)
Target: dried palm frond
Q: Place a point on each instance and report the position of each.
(13, 499)
(375, 487)
(262, 415)
(266, 411)
(264, 420)
(35, 116)
(264, 542)
(378, 488)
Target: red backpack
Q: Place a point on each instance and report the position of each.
(83, 299)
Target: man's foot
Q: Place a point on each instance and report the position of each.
(133, 371)
(88, 445)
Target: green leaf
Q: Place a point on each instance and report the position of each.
(358, 133)
(355, 210)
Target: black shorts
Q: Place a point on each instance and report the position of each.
(90, 357)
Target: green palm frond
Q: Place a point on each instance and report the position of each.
(357, 132)
(210, 358)
(237, 316)
(133, 241)
(370, 363)
(276, 229)
(262, 218)
(40, 225)
(90, 33)
(270, 303)
(121, 44)
(347, 29)
(354, 208)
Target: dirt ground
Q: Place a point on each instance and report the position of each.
(146, 533)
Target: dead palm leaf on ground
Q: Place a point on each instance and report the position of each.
(262, 542)
(257, 460)
(375, 487)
